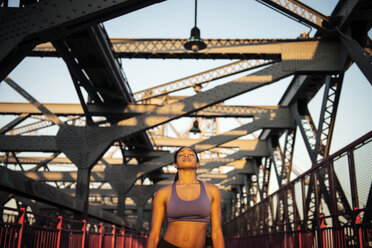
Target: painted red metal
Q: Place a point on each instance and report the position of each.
(18, 230)
(21, 223)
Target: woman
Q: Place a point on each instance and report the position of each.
(189, 204)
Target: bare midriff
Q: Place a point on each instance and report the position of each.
(186, 234)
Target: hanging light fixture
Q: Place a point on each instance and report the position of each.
(195, 43)
(195, 127)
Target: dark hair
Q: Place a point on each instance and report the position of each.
(178, 151)
(175, 158)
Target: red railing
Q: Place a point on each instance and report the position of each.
(329, 237)
(20, 228)
(328, 206)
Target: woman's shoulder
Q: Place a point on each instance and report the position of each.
(213, 189)
(164, 191)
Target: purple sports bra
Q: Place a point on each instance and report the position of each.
(198, 210)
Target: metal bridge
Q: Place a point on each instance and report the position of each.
(84, 174)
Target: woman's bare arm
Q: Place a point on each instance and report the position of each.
(158, 212)
(217, 236)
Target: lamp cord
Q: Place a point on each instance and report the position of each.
(196, 7)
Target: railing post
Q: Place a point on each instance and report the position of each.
(123, 233)
(113, 237)
(100, 235)
(59, 228)
(358, 227)
(130, 240)
(83, 229)
(21, 222)
(299, 236)
(322, 228)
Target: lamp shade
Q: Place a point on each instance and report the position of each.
(195, 43)
(195, 127)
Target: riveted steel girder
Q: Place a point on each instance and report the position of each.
(28, 143)
(62, 109)
(267, 49)
(173, 48)
(23, 28)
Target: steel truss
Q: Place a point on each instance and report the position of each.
(84, 141)
(291, 198)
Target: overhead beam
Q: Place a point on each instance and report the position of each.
(19, 143)
(62, 109)
(173, 49)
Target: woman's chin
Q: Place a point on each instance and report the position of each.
(187, 167)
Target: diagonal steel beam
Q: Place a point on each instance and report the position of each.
(14, 123)
(14, 182)
(199, 79)
(358, 54)
(47, 113)
(299, 11)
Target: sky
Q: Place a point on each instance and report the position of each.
(48, 80)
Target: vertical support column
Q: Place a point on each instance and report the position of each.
(139, 218)
(288, 156)
(121, 205)
(304, 206)
(82, 189)
(239, 189)
(353, 185)
(296, 115)
(328, 114)
(332, 194)
(245, 180)
(318, 143)
(316, 211)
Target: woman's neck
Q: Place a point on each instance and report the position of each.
(187, 176)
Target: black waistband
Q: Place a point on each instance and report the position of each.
(165, 244)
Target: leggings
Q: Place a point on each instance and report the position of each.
(165, 244)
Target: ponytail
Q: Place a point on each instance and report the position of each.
(176, 177)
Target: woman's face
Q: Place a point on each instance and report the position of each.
(186, 158)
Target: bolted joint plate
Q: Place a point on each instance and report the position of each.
(85, 145)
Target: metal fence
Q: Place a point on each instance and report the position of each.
(328, 206)
(21, 228)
